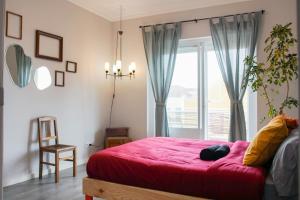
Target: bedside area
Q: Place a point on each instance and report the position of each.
(116, 141)
(116, 136)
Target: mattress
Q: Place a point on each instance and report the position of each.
(173, 165)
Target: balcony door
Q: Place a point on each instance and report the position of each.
(198, 104)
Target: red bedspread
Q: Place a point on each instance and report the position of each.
(173, 165)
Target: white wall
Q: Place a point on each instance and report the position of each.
(131, 100)
(81, 107)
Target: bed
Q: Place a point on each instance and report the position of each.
(170, 168)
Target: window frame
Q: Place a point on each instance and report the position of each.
(203, 45)
(184, 47)
(199, 45)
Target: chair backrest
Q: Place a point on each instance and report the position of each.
(44, 123)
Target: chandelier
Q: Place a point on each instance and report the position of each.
(116, 72)
(117, 66)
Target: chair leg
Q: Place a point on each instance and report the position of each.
(87, 197)
(41, 165)
(74, 163)
(56, 167)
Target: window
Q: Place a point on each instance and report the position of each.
(198, 104)
(183, 96)
(218, 103)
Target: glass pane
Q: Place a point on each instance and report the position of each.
(218, 101)
(183, 97)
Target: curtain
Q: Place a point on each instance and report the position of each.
(161, 43)
(233, 40)
(23, 67)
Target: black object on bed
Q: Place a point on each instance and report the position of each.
(214, 152)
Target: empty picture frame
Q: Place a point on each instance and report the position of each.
(48, 46)
(59, 78)
(71, 66)
(14, 24)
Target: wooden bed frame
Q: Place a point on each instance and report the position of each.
(114, 191)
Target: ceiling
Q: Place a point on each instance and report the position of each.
(110, 9)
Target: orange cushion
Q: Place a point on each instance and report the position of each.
(291, 123)
(266, 142)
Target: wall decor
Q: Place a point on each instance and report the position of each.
(14, 23)
(19, 65)
(42, 78)
(59, 78)
(48, 46)
(71, 66)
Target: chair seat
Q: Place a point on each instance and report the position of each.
(58, 147)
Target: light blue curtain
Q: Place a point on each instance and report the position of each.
(161, 43)
(233, 40)
(23, 67)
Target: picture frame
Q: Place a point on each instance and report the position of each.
(59, 78)
(71, 67)
(48, 46)
(14, 25)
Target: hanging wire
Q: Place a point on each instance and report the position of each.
(121, 17)
(117, 45)
(112, 103)
(118, 42)
(121, 31)
(119, 38)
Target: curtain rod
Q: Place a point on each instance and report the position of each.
(206, 18)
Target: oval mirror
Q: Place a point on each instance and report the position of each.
(19, 65)
(42, 78)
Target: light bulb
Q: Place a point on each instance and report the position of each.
(133, 66)
(115, 69)
(119, 64)
(106, 66)
(130, 68)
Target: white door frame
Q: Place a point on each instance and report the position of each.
(2, 14)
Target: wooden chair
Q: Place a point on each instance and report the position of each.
(56, 148)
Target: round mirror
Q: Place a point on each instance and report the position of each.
(42, 78)
(19, 65)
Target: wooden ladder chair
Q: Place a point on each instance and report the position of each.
(56, 149)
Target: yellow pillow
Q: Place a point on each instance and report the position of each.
(266, 142)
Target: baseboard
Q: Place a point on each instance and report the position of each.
(45, 173)
(51, 170)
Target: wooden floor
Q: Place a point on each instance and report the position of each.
(69, 188)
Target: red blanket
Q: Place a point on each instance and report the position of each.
(173, 165)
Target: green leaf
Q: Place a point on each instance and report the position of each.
(281, 67)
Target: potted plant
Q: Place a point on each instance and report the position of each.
(278, 71)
